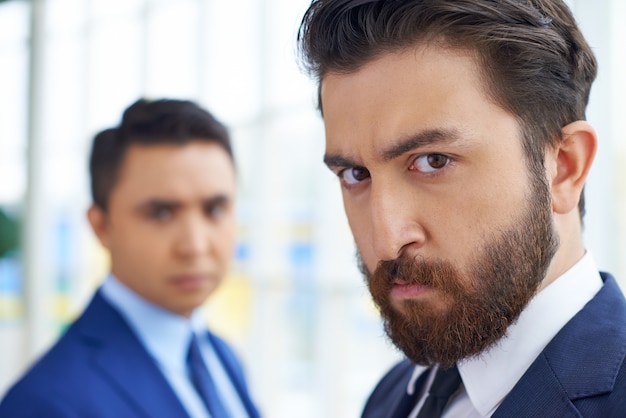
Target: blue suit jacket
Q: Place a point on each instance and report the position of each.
(99, 368)
(580, 373)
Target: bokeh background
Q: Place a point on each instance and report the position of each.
(294, 305)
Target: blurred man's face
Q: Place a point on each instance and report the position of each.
(455, 230)
(170, 225)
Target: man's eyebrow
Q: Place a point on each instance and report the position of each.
(218, 199)
(421, 139)
(403, 145)
(159, 203)
(334, 160)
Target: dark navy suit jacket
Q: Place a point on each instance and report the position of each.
(580, 373)
(99, 368)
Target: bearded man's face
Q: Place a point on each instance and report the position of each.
(473, 308)
(448, 212)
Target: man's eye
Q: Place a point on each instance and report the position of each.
(215, 211)
(429, 163)
(160, 213)
(354, 175)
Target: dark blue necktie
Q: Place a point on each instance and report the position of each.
(203, 382)
(445, 384)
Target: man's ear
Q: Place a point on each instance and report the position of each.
(573, 160)
(97, 218)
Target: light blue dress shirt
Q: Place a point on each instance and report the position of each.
(166, 337)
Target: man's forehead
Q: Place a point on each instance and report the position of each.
(198, 170)
(420, 49)
(165, 155)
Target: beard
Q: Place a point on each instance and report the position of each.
(474, 308)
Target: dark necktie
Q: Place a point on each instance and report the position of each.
(203, 382)
(445, 384)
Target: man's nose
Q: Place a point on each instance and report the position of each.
(395, 219)
(192, 237)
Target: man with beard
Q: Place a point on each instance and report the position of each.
(457, 132)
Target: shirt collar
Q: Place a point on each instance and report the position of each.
(164, 334)
(489, 377)
(417, 372)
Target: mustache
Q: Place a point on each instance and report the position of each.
(416, 270)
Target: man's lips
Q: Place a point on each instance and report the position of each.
(403, 289)
(191, 281)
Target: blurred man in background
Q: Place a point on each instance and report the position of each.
(457, 131)
(163, 186)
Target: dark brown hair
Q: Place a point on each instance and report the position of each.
(164, 121)
(534, 60)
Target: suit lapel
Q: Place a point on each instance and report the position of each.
(122, 361)
(389, 398)
(234, 373)
(593, 341)
(403, 405)
(537, 394)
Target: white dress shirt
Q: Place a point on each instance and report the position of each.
(166, 337)
(489, 377)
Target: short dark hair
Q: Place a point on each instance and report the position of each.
(534, 61)
(163, 121)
